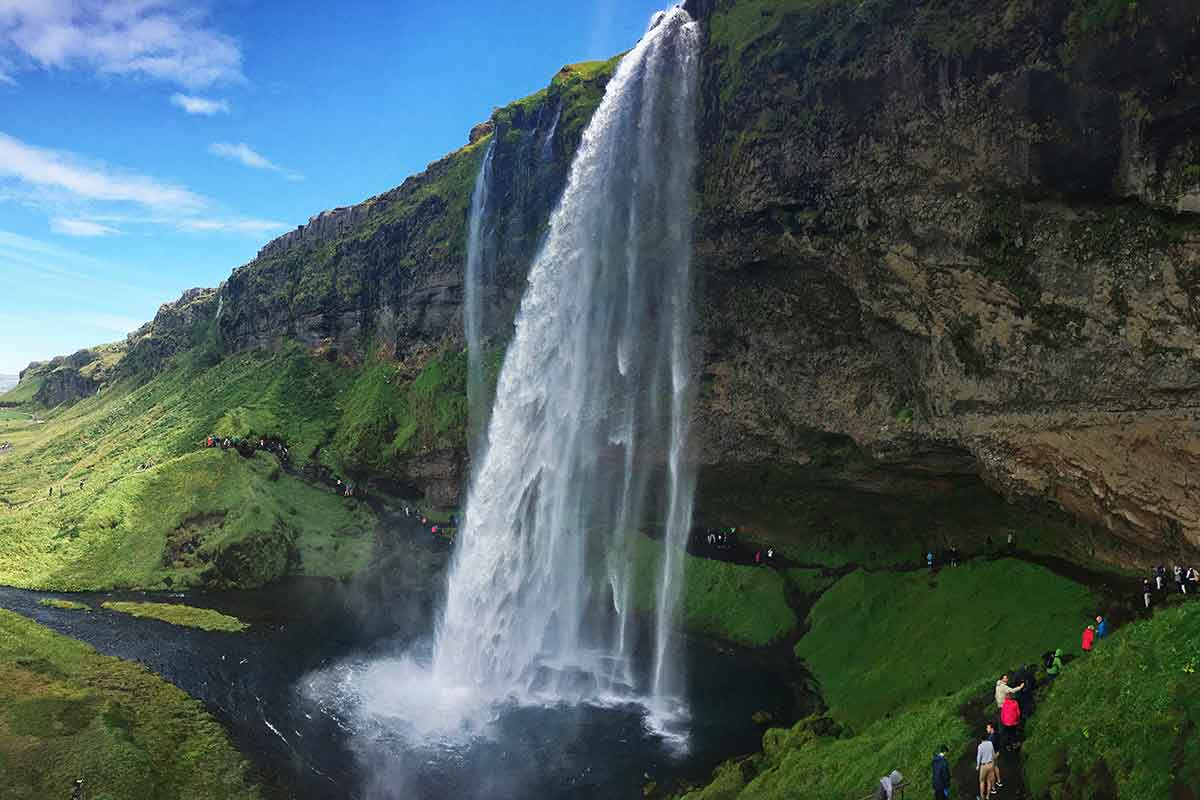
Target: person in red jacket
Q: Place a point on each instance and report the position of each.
(1010, 719)
(1089, 636)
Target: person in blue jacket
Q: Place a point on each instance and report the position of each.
(1101, 626)
(941, 775)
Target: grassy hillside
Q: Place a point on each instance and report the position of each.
(1129, 713)
(879, 642)
(747, 605)
(897, 655)
(156, 507)
(67, 712)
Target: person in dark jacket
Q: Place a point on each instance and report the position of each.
(941, 775)
(1101, 627)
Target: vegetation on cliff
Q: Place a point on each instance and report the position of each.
(741, 604)
(67, 712)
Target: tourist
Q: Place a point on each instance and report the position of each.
(997, 741)
(1011, 545)
(941, 774)
(954, 555)
(1010, 718)
(1146, 592)
(1089, 636)
(985, 764)
(1160, 574)
(1192, 577)
(1055, 666)
(929, 559)
(770, 555)
(888, 785)
(757, 557)
(1177, 571)
(1101, 627)
(1003, 690)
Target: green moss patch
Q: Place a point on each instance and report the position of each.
(1130, 709)
(67, 712)
(880, 642)
(746, 605)
(179, 614)
(66, 605)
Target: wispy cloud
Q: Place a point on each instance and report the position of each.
(81, 227)
(49, 168)
(199, 105)
(244, 154)
(167, 40)
(254, 227)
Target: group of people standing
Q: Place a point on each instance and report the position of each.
(1185, 581)
(247, 446)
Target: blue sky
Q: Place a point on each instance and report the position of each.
(148, 146)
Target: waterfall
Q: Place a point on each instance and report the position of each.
(474, 276)
(593, 400)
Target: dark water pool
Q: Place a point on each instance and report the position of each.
(259, 683)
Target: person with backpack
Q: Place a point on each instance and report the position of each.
(1089, 637)
(941, 774)
(1054, 665)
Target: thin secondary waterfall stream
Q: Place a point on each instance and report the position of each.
(475, 273)
(593, 399)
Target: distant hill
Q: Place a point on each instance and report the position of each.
(7, 382)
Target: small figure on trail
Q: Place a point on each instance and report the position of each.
(1089, 636)
(954, 555)
(1146, 593)
(339, 485)
(941, 774)
(1101, 627)
(1003, 690)
(1010, 718)
(988, 544)
(888, 785)
(51, 491)
(1055, 666)
(1191, 577)
(985, 764)
(929, 559)
(424, 520)
(77, 790)
(81, 484)
(1177, 571)
(770, 555)
(997, 739)
(757, 557)
(1011, 545)
(1160, 574)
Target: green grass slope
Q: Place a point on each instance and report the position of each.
(156, 508)
(815, 759)
(746, 605)
(1129, 712)
(67, 712)
(879, 642)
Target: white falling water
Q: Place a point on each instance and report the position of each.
(474, 276)
(593, 399)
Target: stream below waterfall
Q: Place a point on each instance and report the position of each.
(259, 684)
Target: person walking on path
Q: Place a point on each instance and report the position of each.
(1160, 574)
(1146, 593)
(1055, 667)
(1101, 627)
(1089, 637)
(941, 774)
(1010, 719)
(985, 765)
(1003, 690)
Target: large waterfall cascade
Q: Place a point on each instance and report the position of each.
(593, 400)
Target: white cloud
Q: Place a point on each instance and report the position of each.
(246, 155)
(166, 40)
(39, 167)
(253, 227)
(81, 227)
(199, 105)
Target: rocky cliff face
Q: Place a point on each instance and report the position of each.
(960, 227)
(963, 233)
